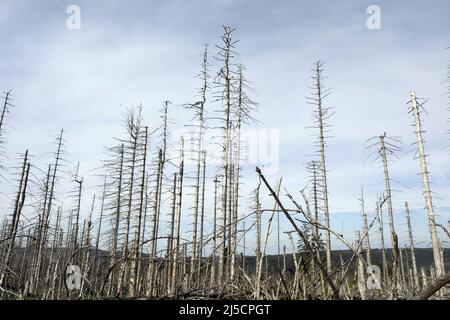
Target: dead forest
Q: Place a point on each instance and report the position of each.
(159, 229)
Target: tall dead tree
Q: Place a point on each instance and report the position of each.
(116, 171)
(416, 109)
(177, 239)
(160, 175)
(366, 229)
(245, 107)
(18, 205)
(132, 160)
(257, 210)
(199, 108)
(58, 155)
(386, 147)
(202, 218)
(79, 181)
(225, 83)
(5, 109)
(99, 228)
(45, 215)
(140, 213)
(322, 114)
(214, 237)
(6, 105)
(170, 238)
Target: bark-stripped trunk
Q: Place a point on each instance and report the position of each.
(321, 115)
(438, 264)
(366, 229)
(394, 243)
(137, 250)
(174, 277)
(383, 246)
(415, 274)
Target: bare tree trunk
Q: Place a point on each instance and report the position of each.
(170, 240)
(136, 261)
(258, 227)
(202, 219)
(438, 264)
(321, 115)
(361, 269)
(115, 236)
(214, 246)
(99, 232)
(402, 270)
(174, 277)
(263, 251)
(87, 251)
(383, 247)
(155, 229)
(415, 274)
(366, 229)
(199, 108)
(51, 262)
(5, 109)
(394, 243)
(40, 242)
(314, 170)
(225, 74)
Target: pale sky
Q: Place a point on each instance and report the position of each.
(126, 53)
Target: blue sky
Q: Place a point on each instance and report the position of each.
(148, 51)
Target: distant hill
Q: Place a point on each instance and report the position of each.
(424, 258)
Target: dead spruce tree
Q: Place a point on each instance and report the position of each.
(5, 110)
(230, 90)
(44, 216)
(6, 106)
(257, 210)
(199, 118)
(99, 234)
(245, 108)
(114, 167)
(366, 228)
(132, 154)
(224, 84)
(322, 114)
(158, 196)
(214, 236)
(416, 109)
(202, 219)
(177, 227)
(13, 229)
(170, 239)
(140, 213)
(380, 214)
(385, 147)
